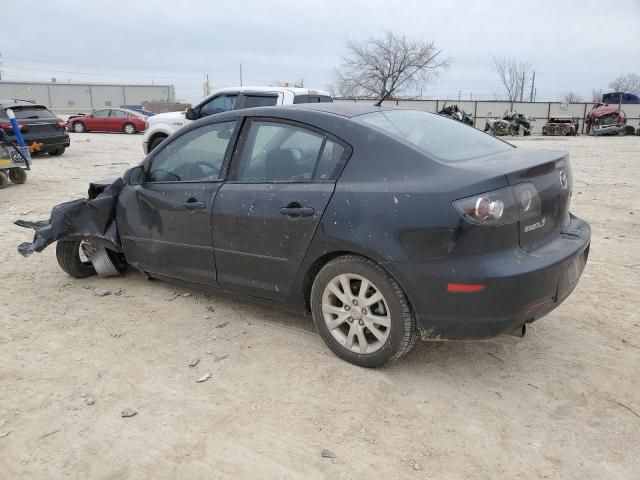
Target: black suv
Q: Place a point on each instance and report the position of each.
(40, 128)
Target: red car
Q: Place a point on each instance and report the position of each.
(108, 120)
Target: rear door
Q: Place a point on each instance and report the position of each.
(165, 223)
(266, 214)
(116, 120)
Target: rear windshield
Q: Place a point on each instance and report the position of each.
(445, 139)
(29, 113)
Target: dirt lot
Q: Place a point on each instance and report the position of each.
(562, 403)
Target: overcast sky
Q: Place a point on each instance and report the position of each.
(573, 45)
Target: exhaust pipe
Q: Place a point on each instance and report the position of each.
(518, 331)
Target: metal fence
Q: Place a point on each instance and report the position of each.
(482, 109)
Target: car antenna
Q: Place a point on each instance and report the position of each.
(420, 67)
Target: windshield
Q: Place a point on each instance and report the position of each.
(445, 139)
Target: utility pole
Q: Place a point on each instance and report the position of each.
(459, 93)
(0, 65)
(533, 83)
(207, 86)
(522, 86)
(241, 74)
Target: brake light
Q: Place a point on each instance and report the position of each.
(61, 124)
(7, 126)
(501, 207)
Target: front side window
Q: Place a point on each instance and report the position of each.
(196, 156)
(222, 103)
(101, 113)
(435, 135)
(279, 152)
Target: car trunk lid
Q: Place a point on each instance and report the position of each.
(550, 172)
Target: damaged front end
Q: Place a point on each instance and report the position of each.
(90, 220)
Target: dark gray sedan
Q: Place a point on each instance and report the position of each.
(384, 224)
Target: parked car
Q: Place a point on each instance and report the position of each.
(606, 120)
(164, 124)
(456, 113)
(41, 128)
(384, 224)
(509, 124)
(108, 120)
(563, 125)
(138, 109)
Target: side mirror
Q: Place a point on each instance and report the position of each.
(190, 114)
(134, 176)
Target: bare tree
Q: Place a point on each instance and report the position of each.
(513, 74)
(386, 66)
(572, 97)
(596, 95)
(629, 83)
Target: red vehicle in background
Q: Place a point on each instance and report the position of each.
(108, 120)
(606, 120)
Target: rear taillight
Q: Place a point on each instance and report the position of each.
(7, 127)
(61, 124)
(501, 207)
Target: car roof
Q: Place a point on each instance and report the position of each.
(262, 89)
(10, 103)
(345, 109)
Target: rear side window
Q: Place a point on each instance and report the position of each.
(118, 113)
(260, 101)
(312, 99)
(445, 139)
(32, 113)
(279, 152)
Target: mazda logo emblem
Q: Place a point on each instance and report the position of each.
(564, 180)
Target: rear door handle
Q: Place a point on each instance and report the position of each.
(295, 210)
(194, 205)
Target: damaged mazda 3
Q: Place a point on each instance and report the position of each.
(385, 225)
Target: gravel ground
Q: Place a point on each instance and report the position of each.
(562, 403)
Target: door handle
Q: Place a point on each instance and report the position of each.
(294, 209)
(194, 205)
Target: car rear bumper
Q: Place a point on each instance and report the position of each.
(517, 287)
(49, 143)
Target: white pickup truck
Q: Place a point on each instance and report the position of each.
(162, 125)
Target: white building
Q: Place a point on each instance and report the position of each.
(85, 97)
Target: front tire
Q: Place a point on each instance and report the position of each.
(361, 312)
(129, 129)
(79, 127)
(68, 256)
(155, 142)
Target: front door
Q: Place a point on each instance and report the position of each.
(98, 120)
(165, 223)
(265, 216)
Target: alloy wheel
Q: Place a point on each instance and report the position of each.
(356, 313)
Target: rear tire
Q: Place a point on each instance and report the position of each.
(396, 332)
(18, 176)
(68, 255)
(57, 152)
(79, 127)
(129, 128)
(4, 180)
